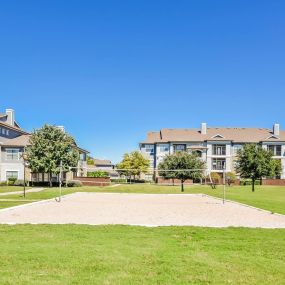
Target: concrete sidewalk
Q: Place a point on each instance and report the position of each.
(20, 192)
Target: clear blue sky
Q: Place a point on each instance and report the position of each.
(110, 71)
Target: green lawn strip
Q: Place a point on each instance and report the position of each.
(271, 198)
(4, 189)
(71, 254)
(7, 204)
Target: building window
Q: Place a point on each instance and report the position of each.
(236, 148)
(197, 152)
(218, 163)
(11, 174)
(219, 149)
(275, 149)
(12, 154)
(179, 147)
(163, 148)
(149, 149)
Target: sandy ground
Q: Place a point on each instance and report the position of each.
(141, 209)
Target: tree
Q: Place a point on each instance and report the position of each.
(90, 160)
(133, 164)
(230, 178)
(254, 162)
(215, 177)
(275, 168)
(48, 147)
(181, 162)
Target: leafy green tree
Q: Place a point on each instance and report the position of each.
(48, 147)
(275, 168)
(90, 160)
(133, 164)
(181, 162)
(215, 177)
(230, 178)
(254, 162)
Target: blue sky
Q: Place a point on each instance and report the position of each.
(110, 71)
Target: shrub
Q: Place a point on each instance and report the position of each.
(119, 180)
(11, 181)
(74, 183)
(246, 182)
(98, 174)
(215, 179)
(20, 182)
(231, 178)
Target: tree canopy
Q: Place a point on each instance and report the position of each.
(181, 162)
(133, 164)
(254, 162)
(48, 147)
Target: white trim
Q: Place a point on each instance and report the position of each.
(217, 135)
(12, 170)
(273, 136)
(6, 149)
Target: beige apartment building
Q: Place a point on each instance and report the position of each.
(216, 146)
(13, 141)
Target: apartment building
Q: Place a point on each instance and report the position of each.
(13, 140)
(216, 146)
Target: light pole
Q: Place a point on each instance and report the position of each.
(25, 158)
(224, 182)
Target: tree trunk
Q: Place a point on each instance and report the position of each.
(50, 180)
(253, 185)
(182, 186)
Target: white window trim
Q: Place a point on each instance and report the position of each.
(6, 158)
(12, 170)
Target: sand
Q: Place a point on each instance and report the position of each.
(143, 210)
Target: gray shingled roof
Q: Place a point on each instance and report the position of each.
(238, 135)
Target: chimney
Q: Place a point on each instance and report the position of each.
(61, 128)
(276, 129)
(10, 117)
(204, 128)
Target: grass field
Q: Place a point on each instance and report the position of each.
(4, 189)
(107, 255)
(72, 254)
(271, 198)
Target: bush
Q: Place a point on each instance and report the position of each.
(119, 180)
(98, 174)
(231, 178)
(74, 183)
(215, 179)
(20, 182)
(246, 182)
(11, 181)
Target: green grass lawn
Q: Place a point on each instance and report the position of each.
(271, 198)
(11, 188)
(71, 254)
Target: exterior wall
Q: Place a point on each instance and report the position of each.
(92, 181)
(207, 155)
(10, 165)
